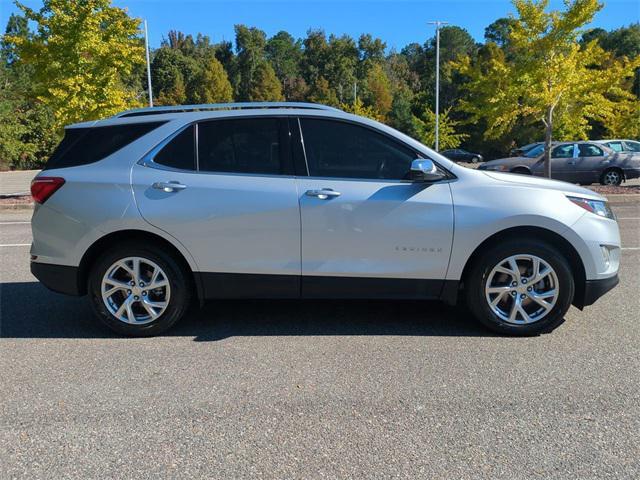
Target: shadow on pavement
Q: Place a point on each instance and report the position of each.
(29, 310)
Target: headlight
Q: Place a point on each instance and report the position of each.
(495, 168)
(594, 206)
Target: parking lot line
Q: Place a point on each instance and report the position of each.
(16, 245)
(14, 223)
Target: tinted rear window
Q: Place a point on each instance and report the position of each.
(81, 146)
(240, 146)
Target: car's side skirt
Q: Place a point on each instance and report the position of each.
(241, 285)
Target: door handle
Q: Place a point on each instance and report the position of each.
(168, 187)
(323, 194)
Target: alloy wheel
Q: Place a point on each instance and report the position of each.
(522, 289)
(135, 290)
(612, 178)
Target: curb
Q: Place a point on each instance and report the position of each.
(16, 206)
(623, 198)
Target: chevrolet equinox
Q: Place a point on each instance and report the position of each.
(155, 208)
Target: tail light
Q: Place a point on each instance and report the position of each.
(43, 187)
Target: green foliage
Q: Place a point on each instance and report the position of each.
(425, 128)
(378, 90)
(212, 84)
(265, 86)
(358, 108)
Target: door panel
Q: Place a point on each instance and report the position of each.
(591, 163)
(229, 223)
(376, 229)
(562, 163)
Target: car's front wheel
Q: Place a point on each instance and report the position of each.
(520, 287)
(139, 291)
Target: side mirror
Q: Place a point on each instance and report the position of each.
(425, 170)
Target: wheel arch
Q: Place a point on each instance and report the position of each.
(145, 237)
(522, 169)
(530, 232)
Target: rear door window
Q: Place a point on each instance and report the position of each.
(250, 145)
(82, 146)
(589, 150)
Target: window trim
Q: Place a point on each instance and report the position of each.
(449, 176)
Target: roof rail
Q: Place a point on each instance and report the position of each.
(220, 106)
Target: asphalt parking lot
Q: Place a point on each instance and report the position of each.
(270, 389)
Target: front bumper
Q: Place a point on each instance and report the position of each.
(58, 278)
(593, 290)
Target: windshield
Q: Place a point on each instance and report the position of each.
(535, 151)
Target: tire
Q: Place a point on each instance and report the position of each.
(613, 176)
(521, 171)
(475, 159)
(151, 313)
(485, 272)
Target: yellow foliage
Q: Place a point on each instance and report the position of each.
(80, 53)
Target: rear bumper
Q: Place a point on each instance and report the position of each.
(58, 278)
(594, 289)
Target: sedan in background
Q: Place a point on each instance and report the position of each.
(459, 155)
(520, 151)
(576, 162)
(629, 146)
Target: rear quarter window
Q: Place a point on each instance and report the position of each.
(82, 146)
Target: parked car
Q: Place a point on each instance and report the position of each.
(520, 151)
(630, 146)
(152, 209)
(577, 162)
(459, 155)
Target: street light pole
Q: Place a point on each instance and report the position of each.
(438, 24)
(146, 49)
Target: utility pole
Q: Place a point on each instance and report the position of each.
(146, 49)
(438, 24)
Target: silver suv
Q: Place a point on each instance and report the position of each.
(154, 209)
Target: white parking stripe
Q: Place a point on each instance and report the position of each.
(630, 248)
(23, 223)
(16, 245)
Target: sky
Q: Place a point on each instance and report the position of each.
(398, 23)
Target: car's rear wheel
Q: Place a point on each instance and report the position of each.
(139, 291)
(521, 171)
(475, 159)
(611, 177)
(520, 288)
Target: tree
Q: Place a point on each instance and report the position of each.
(212, 84)
(498, 32)
(378, 87)
(321, 92)
(284, 54)
(80, 54)
(250, 45)
(547, 77)
(425, 129)
(358, 108)
(265, 86)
